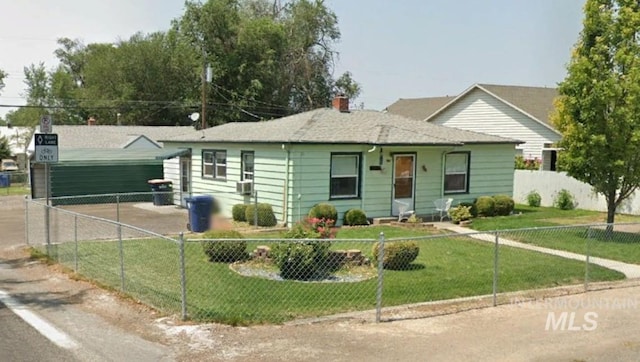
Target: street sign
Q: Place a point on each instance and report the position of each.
(46, 147)
(45, 124)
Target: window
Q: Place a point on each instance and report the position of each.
(456, 174)
(247, 165)
(214, 164)
(345, 175)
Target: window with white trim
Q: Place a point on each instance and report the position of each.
(456, 174)
(345, 175)
(214, 164)
(247, 165)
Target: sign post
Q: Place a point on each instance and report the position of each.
(46, 151)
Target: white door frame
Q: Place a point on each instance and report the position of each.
(185, 179)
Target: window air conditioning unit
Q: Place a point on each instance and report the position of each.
(244, 187)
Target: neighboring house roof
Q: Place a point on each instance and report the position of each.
(96, 136)
(331, 126)
(535, 102)
(417, 108)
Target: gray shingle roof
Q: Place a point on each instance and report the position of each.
(328, 125)
(418, 108)
(83, 136)
(536, 101)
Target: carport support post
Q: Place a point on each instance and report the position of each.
(586, 264)
(380, 277)
(495, 270)
(183, 278)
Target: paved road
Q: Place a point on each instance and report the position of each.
(20, 342)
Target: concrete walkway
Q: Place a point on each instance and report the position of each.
(629, 270)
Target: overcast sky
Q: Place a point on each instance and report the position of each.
(395, 49)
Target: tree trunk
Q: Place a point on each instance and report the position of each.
(611, 214)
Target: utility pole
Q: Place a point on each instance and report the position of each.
(206, 78)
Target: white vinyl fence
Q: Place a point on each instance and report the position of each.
(548, 183)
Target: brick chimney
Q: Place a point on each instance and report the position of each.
(341, 103)
(91, 121)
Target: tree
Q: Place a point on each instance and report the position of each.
(268, 61)
(5, 150)
(598, 108)
(3, 75)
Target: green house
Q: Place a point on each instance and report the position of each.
(350, 158)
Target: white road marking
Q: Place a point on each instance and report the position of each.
(45, 328)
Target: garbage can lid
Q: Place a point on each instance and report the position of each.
(202, 198)
(156, 181)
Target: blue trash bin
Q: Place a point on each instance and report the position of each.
(200, 208)
(5, 179)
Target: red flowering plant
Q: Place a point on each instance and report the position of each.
(312, 228)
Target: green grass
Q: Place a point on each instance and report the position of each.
(621, 246)
(15, 189)
(447, 267)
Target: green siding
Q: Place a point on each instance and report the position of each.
(491, 172)
(95, 180)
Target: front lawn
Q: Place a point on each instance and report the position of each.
(622, 246)
(15, 189)
(447, 267)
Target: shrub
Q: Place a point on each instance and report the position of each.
(485, 206)
(534, 199)
(355, 217)
(266, 217)
(503, 205)
(460, 213)
(472, 208)
(224, 250)
(324, 211)
(311, 228)
(239, 212)
(522, 163)
(564, 200)
(397, 254)
(302, 260)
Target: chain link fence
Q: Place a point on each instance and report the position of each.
(13, 182)
(221, 277)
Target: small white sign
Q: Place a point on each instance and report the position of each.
(46, 148)
(45, 124)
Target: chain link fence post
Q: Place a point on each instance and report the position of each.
(118, 207)
(255, 213)
(495, 270)
(380, 277)
(121, 247)
(586, 261)
(26, 219)
(183, 278)
(75, 240)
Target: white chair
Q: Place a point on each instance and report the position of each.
(443, 206)
(403, 210)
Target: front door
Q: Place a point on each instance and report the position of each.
(403, 181)
(185, 179)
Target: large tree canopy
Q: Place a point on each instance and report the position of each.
(598, 111)
(267, 61)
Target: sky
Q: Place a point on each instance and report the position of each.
(394, 49)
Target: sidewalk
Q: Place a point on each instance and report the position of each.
(629, 270)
